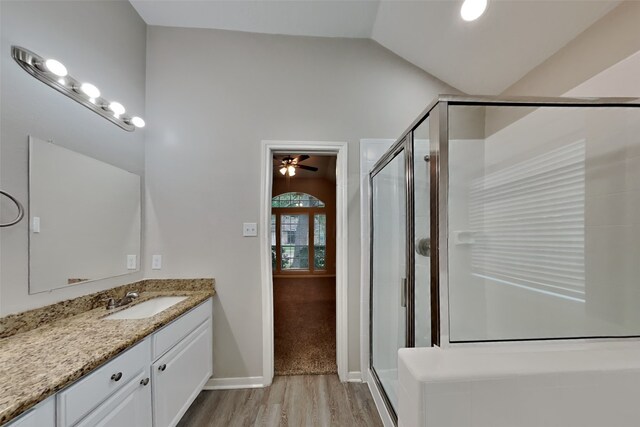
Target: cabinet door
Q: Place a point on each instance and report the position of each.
(129, 407)
(179, 375)
(81, 398)
(43, 415)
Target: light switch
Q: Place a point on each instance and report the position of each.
(249, 229)
(132, 262)
(35, 227)
(156, 262)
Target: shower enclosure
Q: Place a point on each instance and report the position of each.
(505, 220)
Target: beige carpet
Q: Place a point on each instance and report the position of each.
(305, 326)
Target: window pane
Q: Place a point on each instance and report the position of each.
(296, 200)
(294, 241)
(320, 241)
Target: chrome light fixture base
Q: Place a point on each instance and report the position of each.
(67, 85)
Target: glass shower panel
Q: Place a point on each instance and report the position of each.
(543, 222)
(422, 231)
(388, 285)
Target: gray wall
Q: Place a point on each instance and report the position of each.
(212, 96)
(101, 41)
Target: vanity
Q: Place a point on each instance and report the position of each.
(142, 364)
(138, 351)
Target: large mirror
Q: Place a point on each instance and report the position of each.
(84, 218)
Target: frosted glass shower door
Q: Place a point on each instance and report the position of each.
(388, 274)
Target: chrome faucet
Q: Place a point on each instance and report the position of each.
(129, 296)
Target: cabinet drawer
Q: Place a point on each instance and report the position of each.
(175, 331)
(82, 397)
(129, 406)
(178, 377)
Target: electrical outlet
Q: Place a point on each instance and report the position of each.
(132, 262)
(156, 262)
(249, 229)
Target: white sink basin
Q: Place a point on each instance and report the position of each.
(146, 309)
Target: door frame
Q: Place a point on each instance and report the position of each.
(269, 148)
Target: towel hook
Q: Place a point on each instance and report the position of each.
(20, 210)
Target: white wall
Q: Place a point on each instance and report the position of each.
(212, 96)
(101, 41)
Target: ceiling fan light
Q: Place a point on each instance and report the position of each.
(291, 170)
(283, 170)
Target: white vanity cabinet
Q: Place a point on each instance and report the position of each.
(179, 375)
(150, 385)
(103, 385)
(42, 415)
(130, 406)
(182, 364)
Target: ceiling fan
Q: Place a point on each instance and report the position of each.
(289, 164)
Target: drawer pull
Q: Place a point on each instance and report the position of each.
(144, 381)
(116, 377)
(162, 367)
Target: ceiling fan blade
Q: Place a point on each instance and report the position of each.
(308, 168)
(301, 158)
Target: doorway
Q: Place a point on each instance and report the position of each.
(303, 217)
(304, 260)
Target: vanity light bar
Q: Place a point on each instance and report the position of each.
(54, 74)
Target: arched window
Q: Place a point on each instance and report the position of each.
(298, 234)
(296, 200)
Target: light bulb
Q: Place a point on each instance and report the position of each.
(117, 108)
(55, 67)
(90, 90)
(472, 9)
(137, 122)
(291, 170)
(283, 170)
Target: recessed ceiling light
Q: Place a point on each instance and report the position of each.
(473, 9)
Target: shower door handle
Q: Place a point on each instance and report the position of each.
(403, 292)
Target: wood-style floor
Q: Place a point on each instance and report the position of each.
(294, 401)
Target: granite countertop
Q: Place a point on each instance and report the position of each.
(36, 363)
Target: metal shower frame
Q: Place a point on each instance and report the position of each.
(438, 115)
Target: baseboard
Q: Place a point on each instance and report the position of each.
(354, 377)
(234, 383)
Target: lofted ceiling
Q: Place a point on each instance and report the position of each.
(481, 57)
